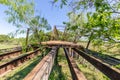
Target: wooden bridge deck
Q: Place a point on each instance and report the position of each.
(43, 69)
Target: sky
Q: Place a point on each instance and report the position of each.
(54, 15)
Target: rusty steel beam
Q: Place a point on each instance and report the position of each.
(112, 73)
(112, 61)
(43, 69)
(75, 71)
(17, 61)
(10, 49)
(9, 54)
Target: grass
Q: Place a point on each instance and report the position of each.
(117, 66)
(57, 73)
(6, 45)
(61, 71)
(4, 61)
(90, 72)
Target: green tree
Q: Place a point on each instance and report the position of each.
(100, 19)
(75, 26)
(22, 15)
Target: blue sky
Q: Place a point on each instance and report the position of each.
(54, 15)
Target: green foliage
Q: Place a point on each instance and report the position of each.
(117, 66)
(43, 37)
(75, 27)
(99, 20)
(62, 2)
(61, 70)
(21, 13)
(91, 73)
(57, 73)
(4, 38)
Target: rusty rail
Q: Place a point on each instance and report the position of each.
(43, 69)
(10, 49)
(17, 61)
(9, 54)
(112, 73)
(107, 59)
(75, 71)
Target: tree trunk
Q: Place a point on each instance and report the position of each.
(89, 40)
(27, 39)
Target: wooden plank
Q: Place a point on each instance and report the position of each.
(61, 44)
(43, 69)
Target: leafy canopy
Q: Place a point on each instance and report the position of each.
(21, 13)
(101, 18)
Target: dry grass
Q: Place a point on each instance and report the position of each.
(61, 71)
(105, 48)
(4, 46)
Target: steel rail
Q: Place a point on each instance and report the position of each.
(112, 73)
(9, 54)
(10, 49)
(104, 57)
(17, 61)
(75, 71)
